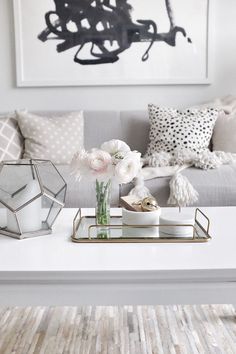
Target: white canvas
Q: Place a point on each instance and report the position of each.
(39, 63)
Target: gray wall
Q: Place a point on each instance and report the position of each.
(223, 63)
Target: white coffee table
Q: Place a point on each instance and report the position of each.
(51, 270)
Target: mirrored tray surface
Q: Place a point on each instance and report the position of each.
(85, 230)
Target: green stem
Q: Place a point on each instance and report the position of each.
(103, 202)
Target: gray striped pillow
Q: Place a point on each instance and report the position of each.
(11, 140)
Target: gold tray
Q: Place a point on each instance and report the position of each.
(85, 230)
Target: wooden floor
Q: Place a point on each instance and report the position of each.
(113, 330)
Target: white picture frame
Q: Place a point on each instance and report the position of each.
(39, 64)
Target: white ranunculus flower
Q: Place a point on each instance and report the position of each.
(128, 168)
(116, 147)
(99, 162)
(79, 165)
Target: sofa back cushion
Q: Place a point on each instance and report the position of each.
(135, 129)
(130, 126)
(100, 126)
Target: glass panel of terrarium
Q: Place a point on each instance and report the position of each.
(51, 180)
(18, 184)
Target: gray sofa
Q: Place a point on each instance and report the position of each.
(216, 187)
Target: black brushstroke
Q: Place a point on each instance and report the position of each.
(117, 27)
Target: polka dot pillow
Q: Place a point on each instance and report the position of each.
(54, 138)
(172, 129)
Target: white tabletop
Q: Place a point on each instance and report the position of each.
(56, 252)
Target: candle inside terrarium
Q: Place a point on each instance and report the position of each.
(30, 216)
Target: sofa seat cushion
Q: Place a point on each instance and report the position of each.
(215, 187)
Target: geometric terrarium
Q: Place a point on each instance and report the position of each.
(32, 194)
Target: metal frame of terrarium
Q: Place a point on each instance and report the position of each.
(44, 192)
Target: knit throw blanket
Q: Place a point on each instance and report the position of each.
(163, 164)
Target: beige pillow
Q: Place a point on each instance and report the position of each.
(224, 134)
(55, 137)
(11, 140)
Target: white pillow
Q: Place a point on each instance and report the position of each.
(224, 134)
(172, 129)
(11, 140)
(55, 137)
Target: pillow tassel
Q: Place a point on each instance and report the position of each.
(139, 190)
(182, 192)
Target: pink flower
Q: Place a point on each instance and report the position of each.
(113, 160)
(99, 162)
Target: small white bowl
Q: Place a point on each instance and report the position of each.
(140, 218)
(173, 219)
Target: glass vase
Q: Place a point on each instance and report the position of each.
(103, 199)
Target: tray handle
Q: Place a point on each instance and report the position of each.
(76, 222)
(206, 230)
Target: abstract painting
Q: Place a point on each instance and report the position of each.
(109, 42)
(96, 22)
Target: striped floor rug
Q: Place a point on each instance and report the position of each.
(202, 329)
